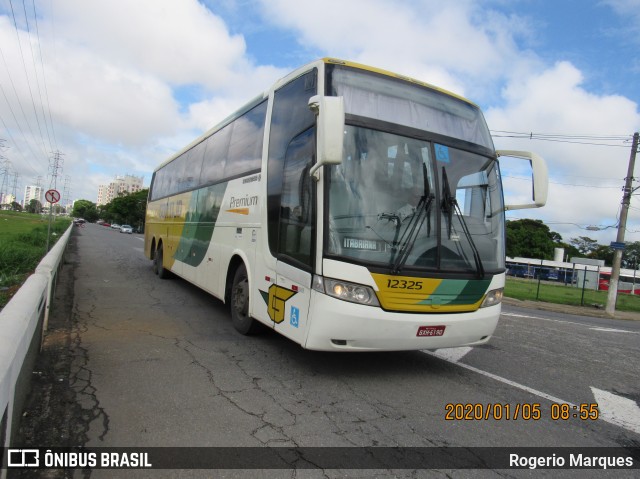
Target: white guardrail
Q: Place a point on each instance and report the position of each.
(23, 322)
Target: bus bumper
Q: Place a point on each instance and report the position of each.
(337, 325)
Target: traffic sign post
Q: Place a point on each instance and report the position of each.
(52, 196)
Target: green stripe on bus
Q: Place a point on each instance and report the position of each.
(200, 220)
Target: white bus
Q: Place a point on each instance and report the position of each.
(348, 208)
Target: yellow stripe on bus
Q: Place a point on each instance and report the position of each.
(240, 211)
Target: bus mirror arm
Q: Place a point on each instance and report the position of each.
(540, 178)
(329, 112)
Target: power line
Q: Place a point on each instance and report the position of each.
(26, 74)
(617, 187)
(594, 140)
(28, 137)
(44, 78)
(35, 70)
(26, 160)
(18, 123)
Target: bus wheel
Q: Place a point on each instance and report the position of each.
(240, 303)
(158, 265)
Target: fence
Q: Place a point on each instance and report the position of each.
(23, 322)
(569, 283)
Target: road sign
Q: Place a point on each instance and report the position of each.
(616, 245)
(52, 196)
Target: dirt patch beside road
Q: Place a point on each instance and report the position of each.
(54, 415)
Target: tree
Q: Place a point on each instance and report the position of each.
(85, 209)
(585, 245)
(602, 252)
(128, 209)
(15, 206)
(34, 206)
(631, 255)
(531, 239)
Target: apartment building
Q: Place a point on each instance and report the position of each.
(121, 184)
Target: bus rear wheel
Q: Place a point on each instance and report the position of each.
(158, 265)
(239, 301)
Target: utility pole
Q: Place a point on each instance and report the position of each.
(612, 296)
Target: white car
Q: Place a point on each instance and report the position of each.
(126, 229)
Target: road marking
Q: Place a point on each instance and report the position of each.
(140, 238)
(611, 330)
(500, 379)
(515, 315)
(618, 410)
(615, 410)
(452, 354)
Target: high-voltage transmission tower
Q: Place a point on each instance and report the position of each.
(5, 166)
(5, 172)
(66, 194)
(55, 168)
(14, 187)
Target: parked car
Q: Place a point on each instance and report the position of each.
(115, 226)
(126, 229)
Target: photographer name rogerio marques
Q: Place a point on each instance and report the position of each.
(573, 461)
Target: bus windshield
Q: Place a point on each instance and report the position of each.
(401, 203)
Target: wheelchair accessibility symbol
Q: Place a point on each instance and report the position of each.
(295, 317)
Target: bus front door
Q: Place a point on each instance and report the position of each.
(291, 302)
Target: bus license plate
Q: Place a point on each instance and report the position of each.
(424, 331)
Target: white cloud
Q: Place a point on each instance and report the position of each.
(111, 73)
(461, 46)
(554, 102)
(108, 103)
(178, 42)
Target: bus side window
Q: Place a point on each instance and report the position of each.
(296, 210)
(245, 147)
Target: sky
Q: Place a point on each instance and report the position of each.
(116, 87)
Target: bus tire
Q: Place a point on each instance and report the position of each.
(239, 302)
(158, 265)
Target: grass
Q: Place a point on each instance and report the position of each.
(527, 289)
(23, 239)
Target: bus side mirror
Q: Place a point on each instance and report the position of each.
(540, 178)
(330, 121)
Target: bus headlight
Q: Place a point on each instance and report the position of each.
(352, 292)
(492, 298)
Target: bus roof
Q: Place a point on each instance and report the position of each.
(336, 61)
(326, 60)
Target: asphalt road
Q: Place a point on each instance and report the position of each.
(144, 362)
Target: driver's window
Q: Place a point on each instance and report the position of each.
(297, 200)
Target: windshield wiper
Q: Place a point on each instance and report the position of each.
(415, 224)
(450, 206)
(412, 231)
